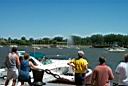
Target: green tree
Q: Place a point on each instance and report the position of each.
(46, 40)
(59, 39)
(23, 38)
(97, 39)
(76, 40)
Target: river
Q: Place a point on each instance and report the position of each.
(91, 54)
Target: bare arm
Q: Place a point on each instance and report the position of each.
(111, 76)
(17, 61)
(71, 64)
(32, 65)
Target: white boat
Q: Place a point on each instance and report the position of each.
(13, 46)
(1, 46)
(57, 67)
(36, 47)
(69, 77)
(58, 70)
(116, 49)
(3, 73)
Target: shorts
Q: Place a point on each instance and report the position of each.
(12, 74)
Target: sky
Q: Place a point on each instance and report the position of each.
(50, 18)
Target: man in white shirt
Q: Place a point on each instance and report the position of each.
(122, 72)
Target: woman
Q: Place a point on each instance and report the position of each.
(25, 69)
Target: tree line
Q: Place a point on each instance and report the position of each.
(94, 40)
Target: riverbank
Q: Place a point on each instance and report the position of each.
(61, 46)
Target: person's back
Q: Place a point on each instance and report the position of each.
(122, 72)
(26, 64)
(80, 66)
(11, 63)
(102, 74)
(25, 68)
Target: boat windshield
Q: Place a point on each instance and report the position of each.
(46, 61)
(21, 53)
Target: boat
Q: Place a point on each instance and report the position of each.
(116, 49)
(69, 77)
(59, 70)
(13, 46)
(35, 47)
(54, 70)
(3, 73)
(1, 46)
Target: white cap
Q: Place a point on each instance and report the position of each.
(81, 52)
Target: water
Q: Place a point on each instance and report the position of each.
(91, 54)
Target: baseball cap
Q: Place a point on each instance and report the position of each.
(81, 52)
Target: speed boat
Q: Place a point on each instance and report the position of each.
(116, 49)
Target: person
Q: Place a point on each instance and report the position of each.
(25, 69)
(12, 63)
(20, 59)
(102, 74)
(80, 66)
(122, 72)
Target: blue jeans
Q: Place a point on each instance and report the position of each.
(79, 78)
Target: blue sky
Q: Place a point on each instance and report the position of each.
(41, 18)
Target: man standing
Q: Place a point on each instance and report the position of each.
(122, 72)
(102, 74)
(12, 63)
(80, 66)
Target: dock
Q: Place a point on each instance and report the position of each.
(47, 84)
